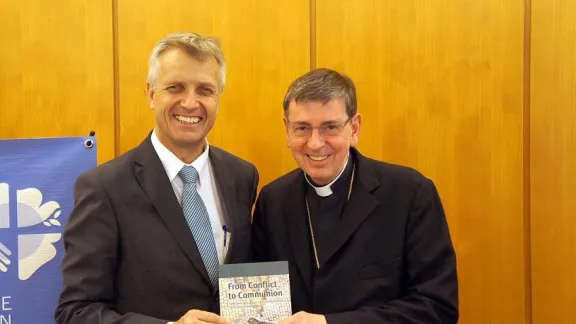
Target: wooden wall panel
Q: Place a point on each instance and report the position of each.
(440, 85)
(267, 45)
(56, 70)
(553, 161)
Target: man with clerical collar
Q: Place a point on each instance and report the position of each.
(366, 241)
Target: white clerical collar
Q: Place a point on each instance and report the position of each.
(172, 164)
(326, 190)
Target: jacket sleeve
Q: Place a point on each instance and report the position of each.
(253, 192)
(90, 260)
(260, 242)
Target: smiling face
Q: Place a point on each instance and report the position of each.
(322, 157)
(185, 100)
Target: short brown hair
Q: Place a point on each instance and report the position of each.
(322, 85)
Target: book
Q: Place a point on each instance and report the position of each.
(255, 293)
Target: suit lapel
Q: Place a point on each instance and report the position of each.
(152, 177)
(226, 183)
(361, 204)
(294, 207)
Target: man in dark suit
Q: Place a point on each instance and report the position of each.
(366, 241)
(150, 228)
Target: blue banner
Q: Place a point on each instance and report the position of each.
(37, 179)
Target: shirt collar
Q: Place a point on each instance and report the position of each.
(172, 164)
(326, 190)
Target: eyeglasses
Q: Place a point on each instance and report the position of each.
(303, 131)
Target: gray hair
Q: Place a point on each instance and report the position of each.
(322, 85)
(197, 46)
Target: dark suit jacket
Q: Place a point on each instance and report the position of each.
(130, 255)
(390, 261)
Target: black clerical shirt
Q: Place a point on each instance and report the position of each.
(326, 212)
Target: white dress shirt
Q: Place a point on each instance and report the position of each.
(206, 187)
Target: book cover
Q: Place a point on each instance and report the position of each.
(255, 293)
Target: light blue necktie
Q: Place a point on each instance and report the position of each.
(199, 222)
